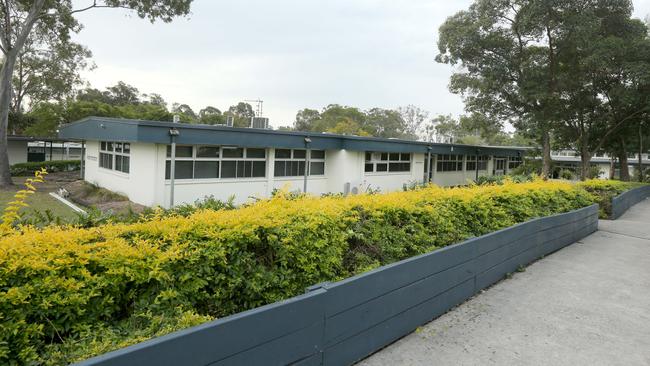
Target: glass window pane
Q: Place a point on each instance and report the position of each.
(126, 164)
(233, 153)
(382, 167)
(368, 156)
(127, 148)
(317, 168)
(405, 157)
(255, 153)
(207, 151)
(384, 156)
(394, 156)
(228, 169)
(259, 169)
(319, 154)
(282, 154)
(118, 147)
(118, 162)
(102, 145)
(181, 151)
(299, 154)
(278, 170)
(183, 170)
(109, 146)
(206, 169)
(240, 169)
(369, 167)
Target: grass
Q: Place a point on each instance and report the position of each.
(39, 201)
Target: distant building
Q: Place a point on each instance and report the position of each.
(24, 149)
(570, 160)
(133, 157)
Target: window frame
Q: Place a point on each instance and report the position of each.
(482, 163)
(380, 162)
(112, 155)
(248, 163)
(300, 159)
(445, 162)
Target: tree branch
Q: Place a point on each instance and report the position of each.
(95, 6)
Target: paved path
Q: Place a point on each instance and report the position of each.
(587, 304)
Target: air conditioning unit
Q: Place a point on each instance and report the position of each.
(230, 121)
(260, 122)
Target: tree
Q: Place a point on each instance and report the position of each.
(20, 18)
(185, 113)
(507, 56)
(210, 116)
(306, 119)
(242, 113)
(604, 65)
(415, 120)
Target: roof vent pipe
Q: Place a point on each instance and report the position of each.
(176, 118)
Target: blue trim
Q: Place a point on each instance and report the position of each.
(116, 129)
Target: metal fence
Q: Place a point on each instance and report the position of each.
(342, 322)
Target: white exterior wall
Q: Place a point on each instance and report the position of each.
(387, 181)
(17, 151)
(146, 184)
(139, 185)
(446, 179)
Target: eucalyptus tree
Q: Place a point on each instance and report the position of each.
(20, 18)
(506, 63)
(605, 67)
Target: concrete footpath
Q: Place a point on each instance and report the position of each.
(587, 304)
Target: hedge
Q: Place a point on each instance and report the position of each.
(24, 169)
(605, 190)
(70, 293)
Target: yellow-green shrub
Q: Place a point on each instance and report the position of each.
(90, 290)
(604, 190)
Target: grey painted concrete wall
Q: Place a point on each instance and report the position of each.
(625, 200)
(340, 323)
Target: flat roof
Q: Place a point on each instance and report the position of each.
(133, 130)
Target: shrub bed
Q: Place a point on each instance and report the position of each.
(70, 293)
(25, 169)
(604, 190)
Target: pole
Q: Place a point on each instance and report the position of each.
(307, 156)
(172, 171)
(477, 166)
(81, 164)
(640, 153)
(428, 180)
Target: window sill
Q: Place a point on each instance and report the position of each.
(215, 181)
(386, 173)
(116, 173)
(300, 177)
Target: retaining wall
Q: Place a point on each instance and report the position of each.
(340, 323)
(625, 200)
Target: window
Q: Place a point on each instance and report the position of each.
(291, 163)
(210, 162)
(471, 164)
(514, 161)
(115, 156)
(449, 163)
(380, 162)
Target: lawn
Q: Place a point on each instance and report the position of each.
(41, 200)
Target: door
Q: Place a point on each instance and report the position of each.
(499, 166)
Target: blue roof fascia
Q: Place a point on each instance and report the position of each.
(115, 129)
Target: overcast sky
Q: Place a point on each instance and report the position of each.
(291, 54)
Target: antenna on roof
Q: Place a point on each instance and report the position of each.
(258, 108)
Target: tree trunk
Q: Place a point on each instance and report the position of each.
(6, 73)
(546, 155)
(640, 177)
(585, 163)
(612, 167)
(622, 158)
